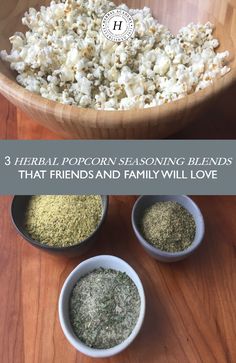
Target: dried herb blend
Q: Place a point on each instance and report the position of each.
(168, 226)
(104, 308)
(62, 220)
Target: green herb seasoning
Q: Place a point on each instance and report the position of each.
(104, 308)
(62, 220)
(168, 226)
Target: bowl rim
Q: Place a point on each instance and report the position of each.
(156, 251)
(102, 118)
(36, 243)
(74, 341)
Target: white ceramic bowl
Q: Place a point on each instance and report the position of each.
(82, 269)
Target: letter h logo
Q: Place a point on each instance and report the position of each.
(117, 25)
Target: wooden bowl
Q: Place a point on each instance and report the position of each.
(156, 122)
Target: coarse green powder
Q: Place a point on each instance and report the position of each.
(104, 308)
(168, 226)
(62, 220)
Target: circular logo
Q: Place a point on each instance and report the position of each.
(117, 25)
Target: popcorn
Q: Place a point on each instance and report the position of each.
(162, 65)
(65, 57)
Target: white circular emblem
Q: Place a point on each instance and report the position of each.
(117, 25)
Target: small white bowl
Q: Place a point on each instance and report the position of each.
(82, 269)
(146, 201)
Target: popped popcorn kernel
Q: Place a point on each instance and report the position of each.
(64, 56)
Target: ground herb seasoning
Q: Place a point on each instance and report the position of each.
(104, 308)
(168, 226)
(62, 220)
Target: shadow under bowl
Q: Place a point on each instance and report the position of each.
(18, 209)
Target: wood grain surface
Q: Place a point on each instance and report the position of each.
(151, 123)
(219, 122)
(191, 304)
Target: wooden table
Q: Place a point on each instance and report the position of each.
(191, 305)
(219, 122)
